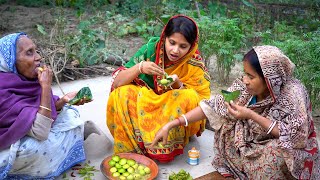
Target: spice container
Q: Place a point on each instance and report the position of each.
(193, 156)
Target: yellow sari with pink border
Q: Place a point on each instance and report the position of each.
(135, 112)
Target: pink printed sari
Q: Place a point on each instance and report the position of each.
(243, 148)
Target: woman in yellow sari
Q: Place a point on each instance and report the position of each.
(138, 105)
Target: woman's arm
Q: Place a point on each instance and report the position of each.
(42, 123)
(265, 123)
(240, 112)
(45, 79)
(61, 102)
(194, 115)
(40, 128)
(128, 75)
(66, 98)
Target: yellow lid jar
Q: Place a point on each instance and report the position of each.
(193, 156)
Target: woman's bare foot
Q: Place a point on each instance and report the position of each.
(89, 128)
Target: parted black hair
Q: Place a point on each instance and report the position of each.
(184, 26)
(253, 60)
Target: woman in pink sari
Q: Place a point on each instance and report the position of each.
(268, 131)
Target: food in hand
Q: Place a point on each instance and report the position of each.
(163, 146)
(128, 168)
(84, 93)
(40, 69)
(160, 145)
(166, 80)
(230, 96)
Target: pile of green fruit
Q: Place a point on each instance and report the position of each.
(122, 168)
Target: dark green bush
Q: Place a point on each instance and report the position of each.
(304, 51)
(221, 37)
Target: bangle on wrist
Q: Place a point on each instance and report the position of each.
(43, 107)
(140, 67)
(185, 119)
(271, 127)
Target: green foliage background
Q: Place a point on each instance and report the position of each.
(228, 29)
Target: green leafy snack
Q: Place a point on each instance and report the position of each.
(230, 96)
(84, 93)
(87, 171)
(166, 80)
(181, 175)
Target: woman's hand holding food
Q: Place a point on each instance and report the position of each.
(45, 76)
(66, 98)
(45, 80)
(176, 83)
(239, 112)
(151, 68)
(171, 81)
(161, 135)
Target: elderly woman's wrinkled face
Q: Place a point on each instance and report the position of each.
(176, 46)
(255, 84)
(27, 58)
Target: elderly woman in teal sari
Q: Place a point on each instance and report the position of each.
(40, 136)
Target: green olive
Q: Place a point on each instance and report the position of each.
(116, 158)
(147, 170)
(164, 81)
(113, 170)
(160, 145)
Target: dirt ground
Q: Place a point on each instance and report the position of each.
(25, 19)
(18, 18)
